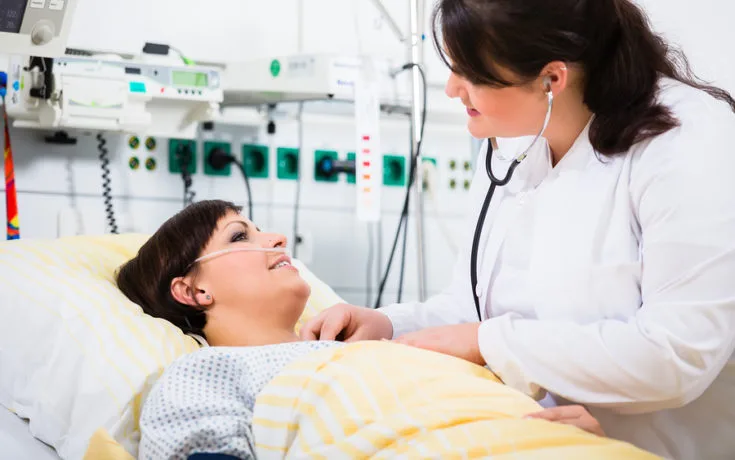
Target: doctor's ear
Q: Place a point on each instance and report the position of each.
(555, 77)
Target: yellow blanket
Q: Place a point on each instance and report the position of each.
(383, 400)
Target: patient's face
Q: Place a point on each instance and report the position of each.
(256, 284)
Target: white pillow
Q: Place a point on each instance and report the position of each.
(75, 355)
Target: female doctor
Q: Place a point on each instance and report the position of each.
(603, 272)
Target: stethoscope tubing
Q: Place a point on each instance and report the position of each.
(494, 183)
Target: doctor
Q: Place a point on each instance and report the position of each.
(605, 268)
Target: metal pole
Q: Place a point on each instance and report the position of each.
(416, 36)
(389, 19)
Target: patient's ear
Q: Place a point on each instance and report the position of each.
(183, 292)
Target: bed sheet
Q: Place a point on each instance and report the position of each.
(16, 441)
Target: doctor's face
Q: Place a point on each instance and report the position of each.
(513, 111)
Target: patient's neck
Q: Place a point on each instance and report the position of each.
(235, 335)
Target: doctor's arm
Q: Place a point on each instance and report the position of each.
(684, 333)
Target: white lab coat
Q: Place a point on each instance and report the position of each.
(610, 281)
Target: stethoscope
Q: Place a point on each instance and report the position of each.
(494, 183)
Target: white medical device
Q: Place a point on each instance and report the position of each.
(111, 94)
(306, 78)
(35, 27)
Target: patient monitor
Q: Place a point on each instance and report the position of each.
(35, 27)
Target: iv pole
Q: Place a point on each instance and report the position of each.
(416, 39)
(415, 55)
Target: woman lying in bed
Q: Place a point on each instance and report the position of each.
(245, 304)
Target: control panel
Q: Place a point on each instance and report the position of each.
(35, 27)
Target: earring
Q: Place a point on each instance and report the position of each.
(209, 297)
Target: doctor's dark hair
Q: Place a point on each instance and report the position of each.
(622, 58)
(146, 278)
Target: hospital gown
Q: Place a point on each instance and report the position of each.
(204, 401)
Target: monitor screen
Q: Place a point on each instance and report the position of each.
(11, 15)
(197, 79)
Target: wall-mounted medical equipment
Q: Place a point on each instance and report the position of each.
(307, 78)
(35, 27)
(109, 94)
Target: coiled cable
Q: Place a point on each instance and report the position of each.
(106, 189)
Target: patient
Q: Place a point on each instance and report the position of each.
(245, 304)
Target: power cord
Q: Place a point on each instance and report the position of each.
(106, 189)
(184, 157)
(161, 49)
(402, 222)
(297, 200)
(218, 159)
(245, 177)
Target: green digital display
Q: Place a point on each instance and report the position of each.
(196, 79)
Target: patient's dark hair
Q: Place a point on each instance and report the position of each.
(622, 58)
(146, 279)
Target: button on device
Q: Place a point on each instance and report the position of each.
(38, 4)
(478, 290)
(56, 5)
(43, 32)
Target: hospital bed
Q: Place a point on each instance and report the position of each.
(66, 324)
(65, 321)
(17, 442)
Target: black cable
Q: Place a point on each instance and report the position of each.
(218, 159)
(297, 200)
(106, 189)
(184, 157)
(244, 172)
(404, 212)
(402, 271)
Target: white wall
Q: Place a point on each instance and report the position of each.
(58, 183)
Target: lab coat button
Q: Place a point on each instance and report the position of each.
(478, 290)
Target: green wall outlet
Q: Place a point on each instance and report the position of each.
(181, 146)
(288, 163)
(318, 156)
(210, 171)
(351, 179)
(255, 158)
(394, 171)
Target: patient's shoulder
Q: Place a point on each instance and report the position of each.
(236, 365)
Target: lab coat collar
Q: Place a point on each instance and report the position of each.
(579, 155)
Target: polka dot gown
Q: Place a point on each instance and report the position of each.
(204, 401)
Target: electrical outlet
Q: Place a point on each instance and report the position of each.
(394, 171)
(255, 158)
(319, 155)
(351, 179)
(208, 148)
(178, 147)
(425, 178)
(288, 163)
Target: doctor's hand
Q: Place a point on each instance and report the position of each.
(456, 340)
(348, 323)
(571, 415)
